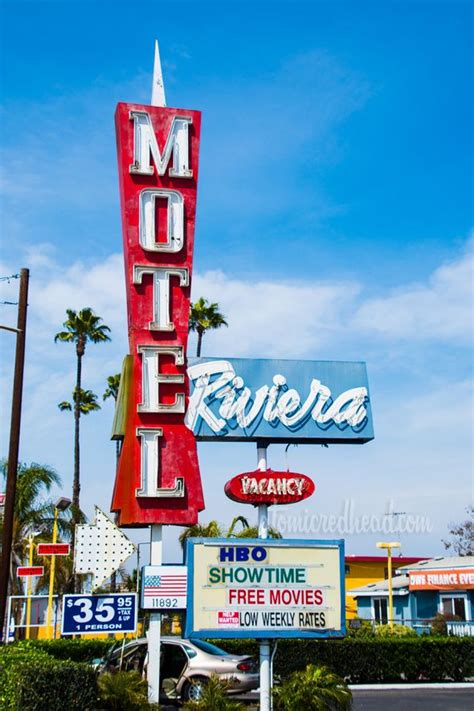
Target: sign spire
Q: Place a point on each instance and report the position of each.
(158, 97)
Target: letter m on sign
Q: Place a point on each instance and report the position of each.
(157, 479)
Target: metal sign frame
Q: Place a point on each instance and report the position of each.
(262, 634)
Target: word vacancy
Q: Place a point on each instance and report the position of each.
(158, 478)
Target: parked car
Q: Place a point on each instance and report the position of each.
(185, 666)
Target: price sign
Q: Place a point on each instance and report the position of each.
(91, 614)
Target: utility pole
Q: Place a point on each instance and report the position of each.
(13, 447)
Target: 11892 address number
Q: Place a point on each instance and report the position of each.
(165, 602)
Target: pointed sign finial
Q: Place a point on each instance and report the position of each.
(157, 90)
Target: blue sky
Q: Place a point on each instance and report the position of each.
(335, 192)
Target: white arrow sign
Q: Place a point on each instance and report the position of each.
(100, 548)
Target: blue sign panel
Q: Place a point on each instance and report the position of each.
(256, 588)
(279, 401)
(90, 614)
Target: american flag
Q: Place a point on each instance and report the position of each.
(164, 585)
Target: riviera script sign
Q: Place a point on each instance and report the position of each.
(279, 401)
(158, 479)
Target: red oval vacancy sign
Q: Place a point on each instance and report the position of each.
(269, 487)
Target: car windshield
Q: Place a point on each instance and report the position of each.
(207, 647)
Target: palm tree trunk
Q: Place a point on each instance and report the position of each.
(199, 344)
(76, 486)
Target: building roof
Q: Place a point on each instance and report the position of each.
(405, 559)
(380, 588)
(452, 561)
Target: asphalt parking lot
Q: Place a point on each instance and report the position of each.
(414, 699)
(434, 699)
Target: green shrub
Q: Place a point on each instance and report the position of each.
(31, 679)
(395, 631)
(214, 696)
(438, 623)
(123, 691)
(313, 689)
(77, 650)
(364, 628)
(373, 660)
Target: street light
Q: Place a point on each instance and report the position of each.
(61, 505)
(388, 547)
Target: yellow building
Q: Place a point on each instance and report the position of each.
(364, 569)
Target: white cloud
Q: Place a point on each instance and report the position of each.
(99, 285)
(422, 434)
(440, 309)
(273, 318)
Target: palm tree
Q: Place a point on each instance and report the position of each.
(198, 530)
(87, 401)
(213, 695)
(80, 327)
(248, 531)
(113, 385)
(203, 317)
(123, 690)
(214, 530)
(314, 689)
(33, 512)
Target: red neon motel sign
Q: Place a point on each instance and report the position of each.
(158, 479)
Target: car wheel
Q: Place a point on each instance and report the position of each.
(194, 688)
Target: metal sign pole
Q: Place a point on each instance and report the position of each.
(52, 568)
(154, 631)
(156, 530)
(265, 667)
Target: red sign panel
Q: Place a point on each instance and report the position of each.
(442, 579)
(228, 619)
(269, 487)
(26, 571)
(53, 549)
(158, 479)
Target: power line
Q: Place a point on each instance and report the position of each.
(10, 303)
(12, 276)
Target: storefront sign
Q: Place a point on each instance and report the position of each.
(164, 587)
(53, 548)
(442, 579)
(265, 589)
(269, 487)
(279, 401)
(158, 479)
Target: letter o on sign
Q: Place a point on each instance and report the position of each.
(259, 553)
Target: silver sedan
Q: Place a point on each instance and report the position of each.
(186, 666)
